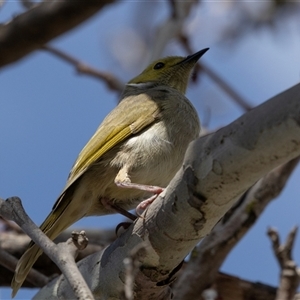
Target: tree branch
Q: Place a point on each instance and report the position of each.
(290, 273)
(206, 259)
(40, 24)
(172, 27)
(200, 66)
(234, 288)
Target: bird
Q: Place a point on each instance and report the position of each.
(134, 153)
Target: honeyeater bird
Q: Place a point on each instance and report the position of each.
(134, 153)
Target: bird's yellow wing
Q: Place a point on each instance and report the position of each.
(121, 123)
(114, 129)
(96, 147)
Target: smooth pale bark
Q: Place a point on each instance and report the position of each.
(217, 169)
(201, 271)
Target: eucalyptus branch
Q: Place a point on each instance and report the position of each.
(206, 259)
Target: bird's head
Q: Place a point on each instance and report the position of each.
(173, 71)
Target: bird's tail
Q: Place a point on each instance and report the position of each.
(23, 267)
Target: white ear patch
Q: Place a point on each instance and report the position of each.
(140, 85)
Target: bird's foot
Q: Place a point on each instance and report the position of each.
(143, 187)
(144, 205)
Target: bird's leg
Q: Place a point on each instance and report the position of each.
(122, 180)
(118, 209)
(109, 205)
(143, 187)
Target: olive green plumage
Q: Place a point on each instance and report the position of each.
(143, 140)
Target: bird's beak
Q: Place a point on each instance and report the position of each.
(194, 57)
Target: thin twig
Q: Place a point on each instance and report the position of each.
(11, 225)
(111, 81)
(132, 265)
(171, 27)
(238, 99)
(290, 275)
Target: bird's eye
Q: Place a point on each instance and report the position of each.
(159, 65)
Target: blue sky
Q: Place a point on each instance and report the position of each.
(48, 112)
